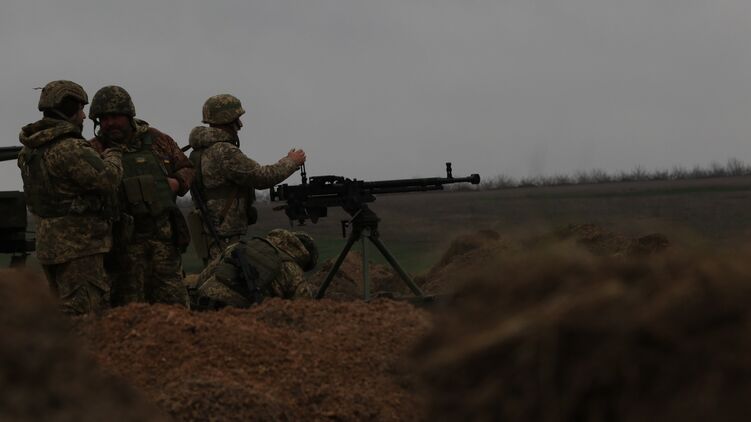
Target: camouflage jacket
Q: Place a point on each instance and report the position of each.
(165, 148)
(225, 168)
(72, 168)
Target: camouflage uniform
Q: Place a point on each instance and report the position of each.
(70, 190)
(280, 258)
(149, 267)
(227, 178)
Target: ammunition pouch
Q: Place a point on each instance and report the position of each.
(143, 196)
(145, 191)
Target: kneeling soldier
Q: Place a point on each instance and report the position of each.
(277, 263)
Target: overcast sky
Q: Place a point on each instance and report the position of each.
(381, 89)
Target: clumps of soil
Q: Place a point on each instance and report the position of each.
(569, 336)
(464, 255)
(347, 283)
(470, 252)
(281, 360)
(599, 241)
(44, 373)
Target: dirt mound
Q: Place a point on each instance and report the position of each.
(476, 250)
(44, 373)
(575, 337)
(463, 256)
(348, 284)
(601, 242)
(281, 360)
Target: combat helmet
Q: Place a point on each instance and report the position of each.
(222, 109)
(310, 246)
(111, 99)
(55, 92)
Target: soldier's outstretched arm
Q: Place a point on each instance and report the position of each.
(247, 172)
(80, 162)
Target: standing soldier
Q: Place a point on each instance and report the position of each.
(155, 171)
(70, 190)
(226, 178)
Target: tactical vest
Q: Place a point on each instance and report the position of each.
(46, 202)
(145, 190)
(266, 258)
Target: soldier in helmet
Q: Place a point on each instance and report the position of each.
(279, 259)
(155, 172)
(70, 189)
(225, 177)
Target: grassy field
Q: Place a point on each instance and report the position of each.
(417, 227)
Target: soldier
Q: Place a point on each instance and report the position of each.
(70, 190)
(227, 179)
(279, 259)
(155, 171)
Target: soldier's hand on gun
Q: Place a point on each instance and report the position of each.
(297, 155)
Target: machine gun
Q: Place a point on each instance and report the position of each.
(311, 199)
(14, 222)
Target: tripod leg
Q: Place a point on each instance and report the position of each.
(395, 265)
(343, 254)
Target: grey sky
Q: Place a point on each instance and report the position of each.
(394, 88)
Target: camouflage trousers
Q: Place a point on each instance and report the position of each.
(152, 272)
(81, 284)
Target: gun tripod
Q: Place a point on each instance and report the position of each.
(364, 225)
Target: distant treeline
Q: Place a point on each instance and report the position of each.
(733, 167)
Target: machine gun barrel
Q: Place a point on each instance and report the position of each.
(416, 185)
(9, 153)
